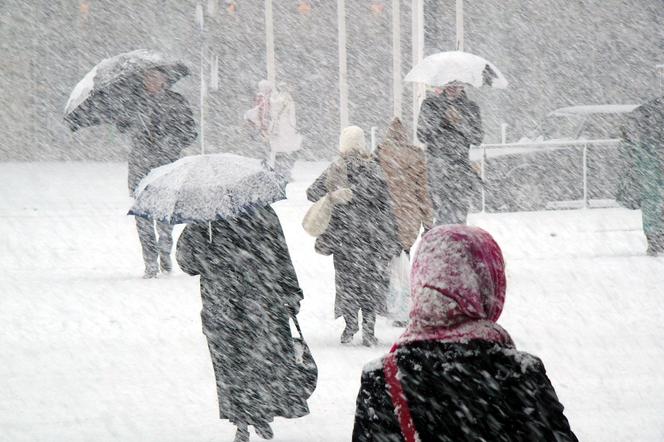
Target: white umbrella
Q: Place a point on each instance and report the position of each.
(445, 67)
(203, 188)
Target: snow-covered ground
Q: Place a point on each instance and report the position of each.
(90, 351)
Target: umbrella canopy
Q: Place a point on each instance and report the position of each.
(446, 67)
(105, 91)
(203, 188)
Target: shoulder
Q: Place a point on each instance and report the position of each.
(175, 99)
(374, 366)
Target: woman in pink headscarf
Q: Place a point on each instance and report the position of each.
(454, 375)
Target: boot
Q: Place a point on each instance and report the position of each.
(151, 271)
(351, 328)
(242, 433)
(368, 325)
(347, 336)
(165, 263)
(263, 430)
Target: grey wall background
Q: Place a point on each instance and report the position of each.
(555, 53)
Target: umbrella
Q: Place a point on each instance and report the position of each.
(106, 90)
(446, 67)
(203, 188)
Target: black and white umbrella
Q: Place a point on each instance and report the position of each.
(106, 91)
(204, 188)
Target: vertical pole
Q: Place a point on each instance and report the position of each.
(269, 42)
(397, 86)
(202, 103)
(459, 25)
(343, 64)
(418, 53)
(483, 175)
(585, 176)
(200, 19)
(373, 138)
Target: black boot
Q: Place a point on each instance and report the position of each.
(350, 330)
(368, 325)
(263, 430)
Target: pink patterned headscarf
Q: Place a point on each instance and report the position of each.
(458, 287)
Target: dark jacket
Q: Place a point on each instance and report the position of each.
(449, 138)
(642, 184)
(161, 127)
(449, 128)
(477, 391)
(362, 234)
(248, 285)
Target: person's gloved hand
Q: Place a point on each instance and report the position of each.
(293, 309)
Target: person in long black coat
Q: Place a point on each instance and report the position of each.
(449, 123)
(161, 124)
(454, 375)
(249, 291)
(361, 236)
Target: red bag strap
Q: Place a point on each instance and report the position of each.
(391, 370)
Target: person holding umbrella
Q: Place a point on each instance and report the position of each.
(249, 288)
(449, 123)
(161, 125)
(132, 92)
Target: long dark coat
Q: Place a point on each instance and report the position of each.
(361, 236)
(643, 152)
(248, 284)
(449, 128)
(161, 127)
(477, 391)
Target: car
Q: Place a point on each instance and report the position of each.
(587, 122)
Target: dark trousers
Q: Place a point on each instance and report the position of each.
(368, 322)
(154, 243)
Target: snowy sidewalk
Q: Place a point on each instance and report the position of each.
(90, 351)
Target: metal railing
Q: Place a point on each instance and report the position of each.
(486, 153)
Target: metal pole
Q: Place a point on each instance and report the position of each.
(373, 138)
(200, 19)
(343, 64)
(483, 174)
(269, 42)
(585, 176)
(418, 54)
(397, 86)
(459, 25)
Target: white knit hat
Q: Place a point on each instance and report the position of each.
(352, 141)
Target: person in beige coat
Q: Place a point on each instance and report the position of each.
(405, 170)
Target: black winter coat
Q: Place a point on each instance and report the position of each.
(248, 285)
(477, 391)
(161, 127)
(362, 235)
(452, 181)
(448, 139)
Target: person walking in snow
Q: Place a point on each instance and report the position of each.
(449, 123)
(455, 375)
(249, 291)
(161, 124)
(361, 235)
(404, 167)
(283, 136)
(260, 116)
(642, 184)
